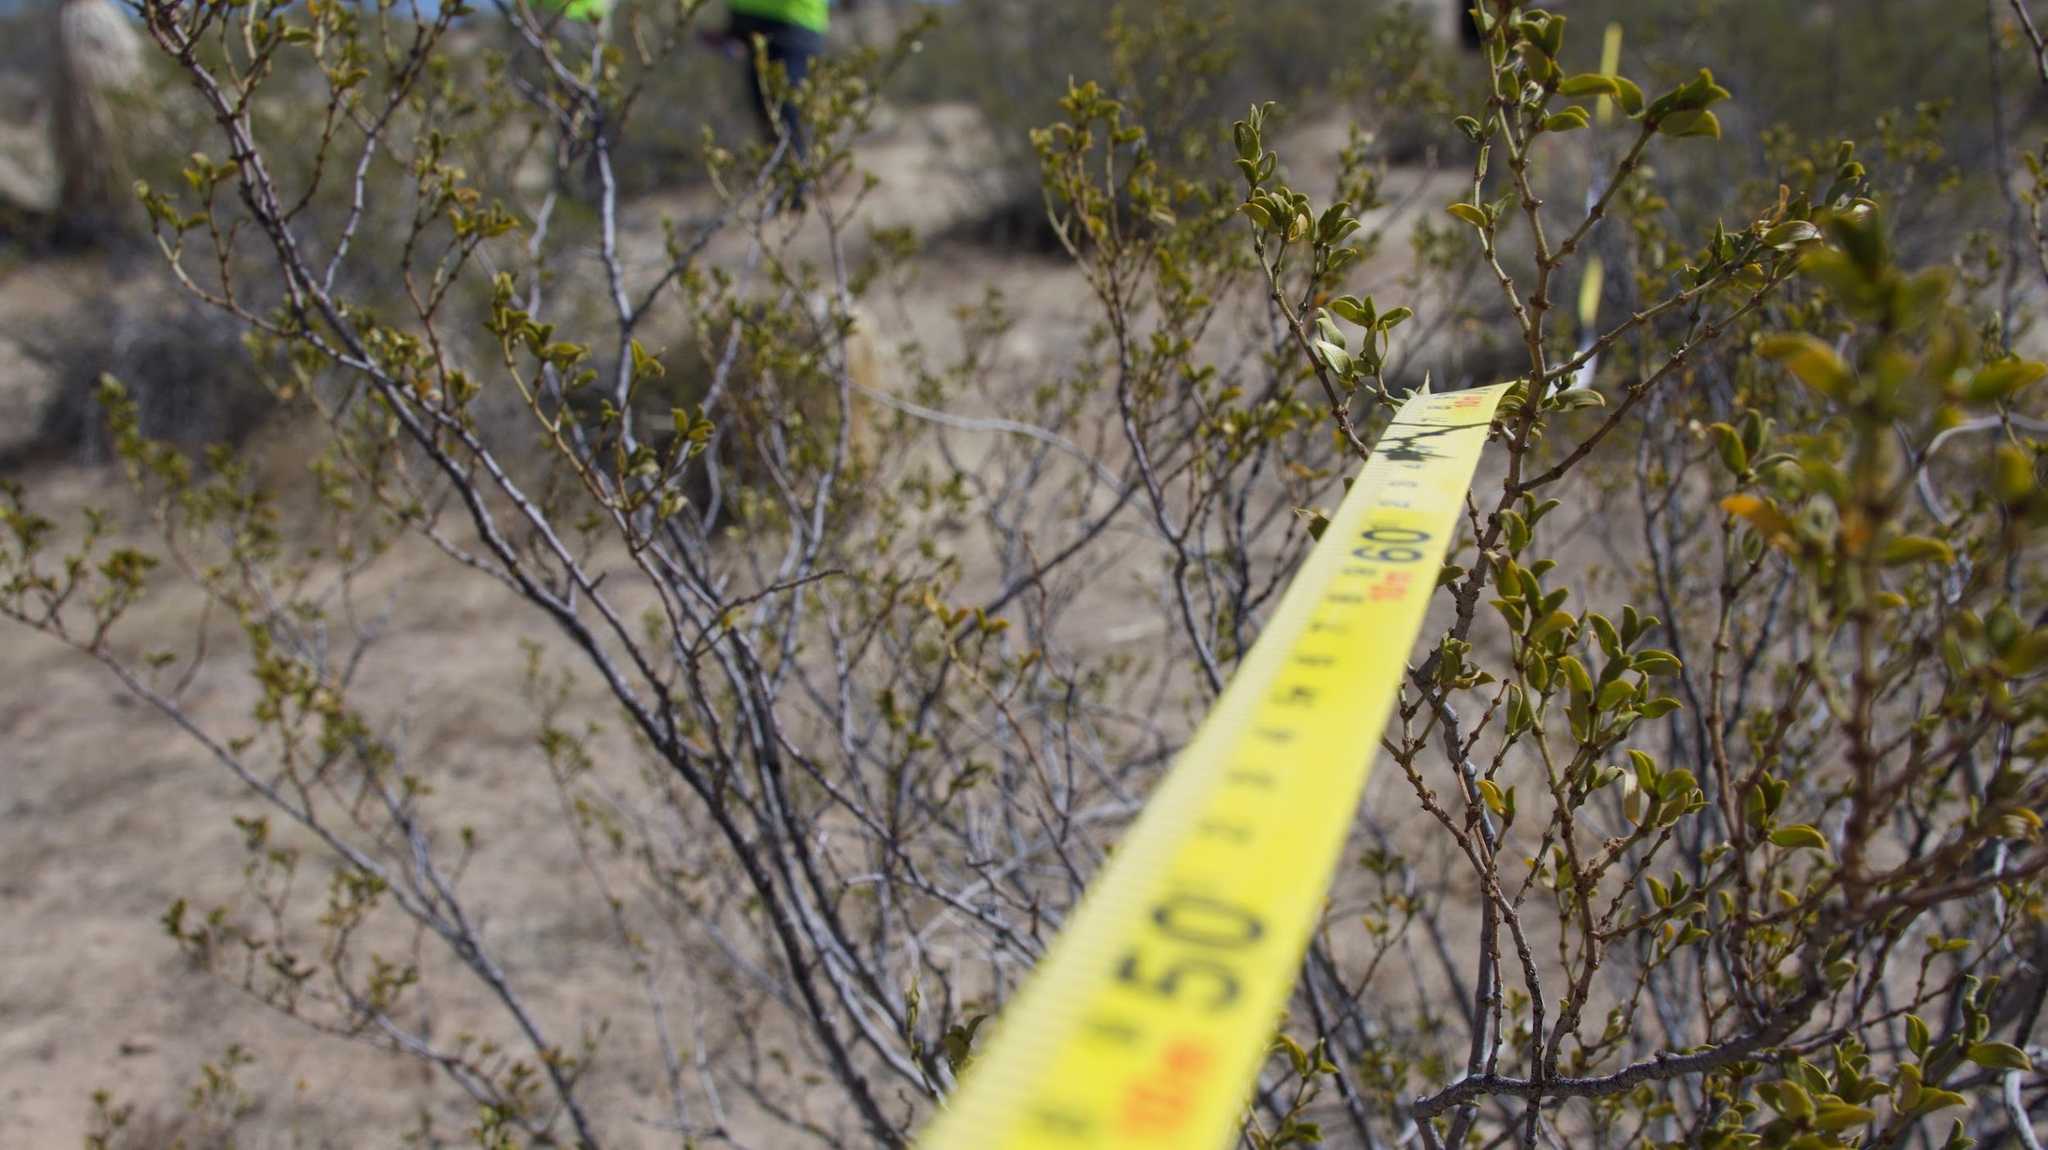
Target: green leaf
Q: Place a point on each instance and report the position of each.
(1588, 84)
(2012, 473)
(1790, 1099)
(1692, 122)
(1613, 695)
(1338, 359)
(1906, 1091)
(1728, 442)
(1791, 234)
(1556, 621)
(1814, 363)
(1575, 674)
(1800, 837)
(1915, 549)
(1834, 1115)
(2001, 380)
(1676, 784)
(1699, 93)
(2027, 654)
(646, 366)
(1655, 662)
(1933, 1099)
(1634, 801)
(1999, 1056)
(1628, 95)
(1754, 428)
(1610, 642)
(1916, 1035)
(1354, 310)
(1469, 213)
(1516, 530)
(1761, 514)
(563, 355)
(1569, 120)
(958, 1043)
(1492, 796)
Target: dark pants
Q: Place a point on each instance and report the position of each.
(792, 47)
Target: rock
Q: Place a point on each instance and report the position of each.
(98, 57)
(28, 387)
(28, 169)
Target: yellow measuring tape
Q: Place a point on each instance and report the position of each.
(1149, 1018)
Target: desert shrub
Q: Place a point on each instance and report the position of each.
(1713, 809)
(216, 1113)
(1183, 67)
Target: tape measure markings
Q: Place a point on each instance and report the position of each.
(1147, 1021)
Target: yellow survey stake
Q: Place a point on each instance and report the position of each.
(1149, 1018)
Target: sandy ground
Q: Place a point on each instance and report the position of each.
(108, 813)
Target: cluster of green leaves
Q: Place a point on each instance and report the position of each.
(1811, 1107)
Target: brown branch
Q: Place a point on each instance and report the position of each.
(1660, 1068)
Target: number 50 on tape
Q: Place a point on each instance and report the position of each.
(1148, 1021)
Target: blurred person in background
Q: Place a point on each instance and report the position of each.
(792, 34)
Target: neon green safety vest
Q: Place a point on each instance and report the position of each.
(587, 10)
(812, 14)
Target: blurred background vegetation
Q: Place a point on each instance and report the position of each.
(1936, 91)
